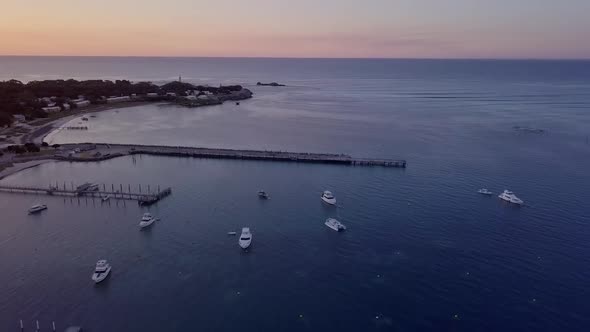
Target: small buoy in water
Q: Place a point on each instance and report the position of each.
(456, 316)
(467, 273)
(300, 315)
(378, 276)
(534, 300)
(238, 293)
(376, 317)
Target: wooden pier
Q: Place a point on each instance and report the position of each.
(148, 196)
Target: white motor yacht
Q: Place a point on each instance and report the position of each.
(146, 220)
(101, 271)
(484, 191)
(37, 208)
(335, 224)
(328, 197)
(245, 238)
(509, 196)
(263, 194)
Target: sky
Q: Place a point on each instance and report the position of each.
(544, 29)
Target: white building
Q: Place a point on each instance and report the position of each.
(19, 118)
(82, 103)
(53, 109)
(112, 100)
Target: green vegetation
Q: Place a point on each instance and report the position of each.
(20, 149)
(29, 98)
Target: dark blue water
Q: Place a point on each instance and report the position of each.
(423, 251)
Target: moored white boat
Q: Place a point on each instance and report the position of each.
(484, 191)
(101, 271)
(245, 238)
(146, 220)
(37, 208)
(509, 196)
(335, 224)
(328, 198)
(105, 197)
(263, 194)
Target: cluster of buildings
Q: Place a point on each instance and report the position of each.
(53, 107)
(199, 95)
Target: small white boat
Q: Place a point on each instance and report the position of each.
(231, 233)
(509, 196)
(484, 191)
(245, 238)
(105, 197)
(328, 197)
(335, 224)
(37, 208)
(263, 194)
(146, 220)
(101, 271)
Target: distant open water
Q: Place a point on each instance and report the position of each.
(423, 251)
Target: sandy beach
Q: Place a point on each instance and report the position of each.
(37, 131)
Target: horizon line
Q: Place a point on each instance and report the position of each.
(295, 58)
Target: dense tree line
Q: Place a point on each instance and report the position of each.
(24, 98)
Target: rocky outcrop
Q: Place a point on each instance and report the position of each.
(215, 99)
(269, 84)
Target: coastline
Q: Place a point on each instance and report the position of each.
(38, 134)
(15, 168)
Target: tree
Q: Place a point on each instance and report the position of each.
(5, 119)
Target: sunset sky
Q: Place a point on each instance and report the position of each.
(302, 28)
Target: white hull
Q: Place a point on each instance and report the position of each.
(512, 200)
(146, 223)
(331, 201)
(509, 197)
(37, 209)
(98, 277)
(245, 244)
(335, 225)
(245, 238)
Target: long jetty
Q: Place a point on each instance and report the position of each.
(102, 151)
(146, 197)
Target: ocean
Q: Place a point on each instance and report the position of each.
(423, 250)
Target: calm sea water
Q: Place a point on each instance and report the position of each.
(423, 251)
